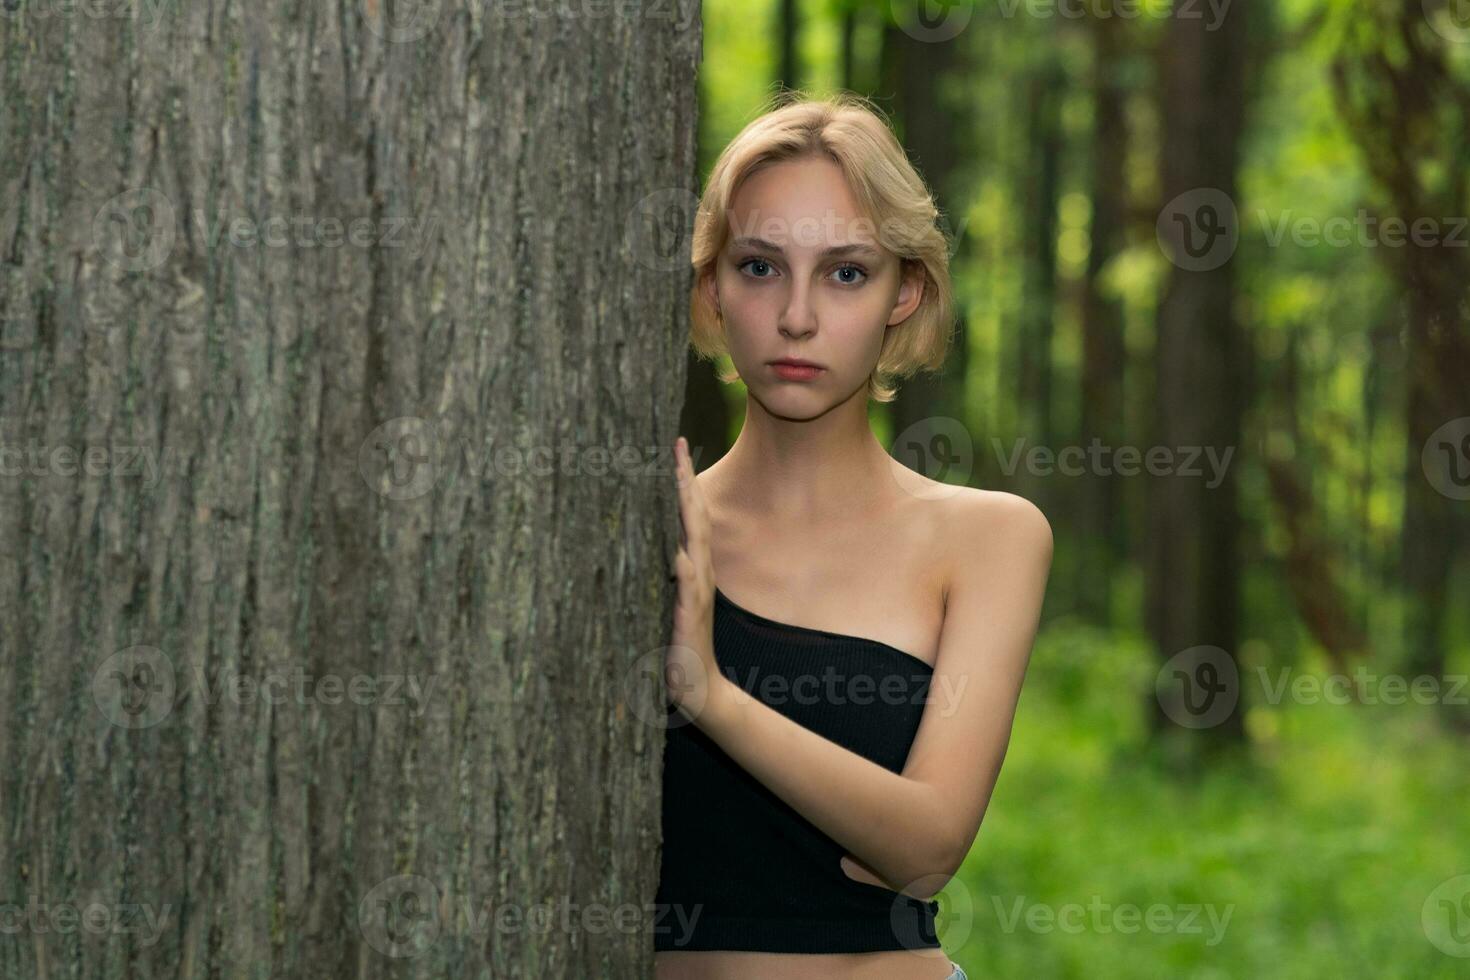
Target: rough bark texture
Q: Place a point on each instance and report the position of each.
(311, 829)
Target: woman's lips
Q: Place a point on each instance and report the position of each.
(795, 372)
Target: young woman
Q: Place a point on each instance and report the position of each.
(849, 638)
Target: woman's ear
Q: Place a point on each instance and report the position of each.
(910, 292)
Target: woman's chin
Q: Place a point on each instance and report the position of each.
(782, 402)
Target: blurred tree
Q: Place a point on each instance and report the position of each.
(1192, 575)
(788, 36)
(1406, 96)
(1310, 562)
(847, 67)
(917, 76)
(1045, 87)
(1100, 526)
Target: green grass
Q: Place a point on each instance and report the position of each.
(1322, 843)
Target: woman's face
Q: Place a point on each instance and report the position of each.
(803, 276)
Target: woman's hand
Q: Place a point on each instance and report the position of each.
(690, 669)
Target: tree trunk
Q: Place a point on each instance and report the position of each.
(1193, 590)
(1103, 536)
(912, 71)
(1311, 561)
(848, 47)
(1409, 113)
(1042, 184)
(347, 679)
(788, 33)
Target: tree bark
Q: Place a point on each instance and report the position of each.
(357, 662)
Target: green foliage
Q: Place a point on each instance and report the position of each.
(1323, 844)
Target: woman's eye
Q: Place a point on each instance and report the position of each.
(761, 269)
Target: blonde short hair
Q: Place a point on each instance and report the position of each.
(854, 133)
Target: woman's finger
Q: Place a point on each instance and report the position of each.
(697, 524)
(683, 483)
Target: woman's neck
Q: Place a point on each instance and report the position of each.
(799, 471)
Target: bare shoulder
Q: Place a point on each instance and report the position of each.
(993, 530)
(945, 509)
(999, 511)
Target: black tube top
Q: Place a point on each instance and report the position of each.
(742, 870)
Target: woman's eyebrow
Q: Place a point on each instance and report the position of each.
(746, 241)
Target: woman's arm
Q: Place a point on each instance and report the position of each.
(914, 829)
